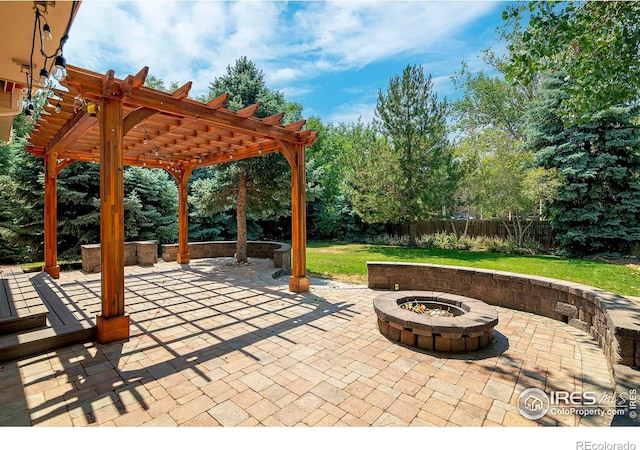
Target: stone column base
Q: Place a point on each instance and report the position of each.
(298, 284)
(111, 329)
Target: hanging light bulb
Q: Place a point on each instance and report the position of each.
(231, 155)
(29, 114)
(58, 107)
(60, 68)
(46, 32)
(44, 76)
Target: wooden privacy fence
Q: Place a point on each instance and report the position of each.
(539, 230)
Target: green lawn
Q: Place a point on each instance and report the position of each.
(348, 262)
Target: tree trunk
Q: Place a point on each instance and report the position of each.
(412, 231)
(241, 217)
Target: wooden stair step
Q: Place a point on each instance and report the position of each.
(21, 307)
(30, 343)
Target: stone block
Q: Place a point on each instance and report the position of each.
(625, 346)
(471, 343)
(458, 345)
(442, 344)
(147, 252)
(484, 340)
(567, 309)
(407, 338)
(394, 334)
(425, 342)
(579, 324)
(383, 325)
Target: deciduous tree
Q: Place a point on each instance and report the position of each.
(597, 43)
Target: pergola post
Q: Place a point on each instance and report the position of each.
(183, 256)
(112, 324)
(298, 281)
(50, 216)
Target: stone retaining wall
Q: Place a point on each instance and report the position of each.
(143, 253)
(613, 320)
(278, 251)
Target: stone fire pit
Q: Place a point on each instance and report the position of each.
(444, 322)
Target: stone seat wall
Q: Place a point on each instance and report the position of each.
(278, 251)
(143, 253)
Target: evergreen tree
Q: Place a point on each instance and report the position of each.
(27, 190)
(10, 251)
(408, 171)
(254, 187)
(598, 202)
(78, 198)
(151, 205)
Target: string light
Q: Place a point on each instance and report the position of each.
(42, 29)
(46, 32)
(60, 68)
(44, 75)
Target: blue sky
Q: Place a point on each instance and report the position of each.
(331, 57)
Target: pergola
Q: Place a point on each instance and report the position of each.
(117, 123)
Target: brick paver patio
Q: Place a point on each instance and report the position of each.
(215, 344)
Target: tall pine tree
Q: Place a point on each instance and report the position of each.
(409, 173)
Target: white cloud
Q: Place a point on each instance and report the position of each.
(293, 43)
(354, 34)
(352, 112)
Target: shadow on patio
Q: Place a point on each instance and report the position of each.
(213, 343)
(182, 319)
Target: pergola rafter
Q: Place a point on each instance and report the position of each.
(118, 122)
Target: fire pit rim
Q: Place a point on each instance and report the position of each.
(478, 321)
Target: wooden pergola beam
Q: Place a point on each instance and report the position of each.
(71, 131)
(249, 111)
(92, 87)
(182, 92)
(219, 101)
